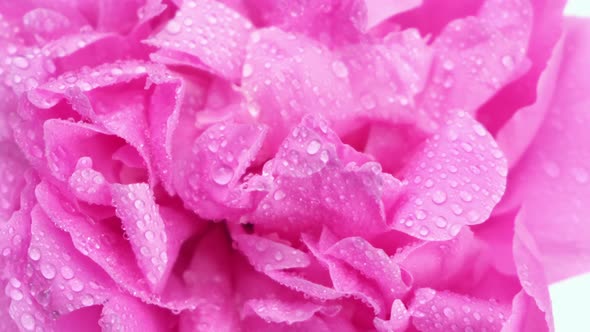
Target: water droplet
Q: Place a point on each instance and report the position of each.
(313, 147)
(476, 315)
(420, 215)
(479, 129)
(149, 235)
(48, 270)
(16, 294)
(139, 204)
(34, 254)
(454, 229)
(87, 300)
(508, 62)
(247, 70)
(424, 231)
(67, 272)
(173, 27)
(439, 197)
(467, 147)
(324, 157)
(278, 256)
(440, 222)
(429, 183)
(27, 321)
(339, 69)
(466, 196)
(76, 285)
(222, 175)
(580, 174)
(279, 195)
(449, 312)
(20, 62)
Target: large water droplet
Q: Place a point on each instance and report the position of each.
(440, 222)
(368, 102)
(454, 229)
(27, 321)
(580, 174)
(48, 270)
(313, 147)
(20, 62)
(439, 197)
(449, 312)
(173, 27)
(339, 69)
(222, 175)
(149, 235)
(278, 256)
(34, 254)
(247, 70)
(76, 285)
(508, 62)
(279, 195)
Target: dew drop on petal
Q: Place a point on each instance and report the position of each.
(439, 197)
(313, 147)
(440, 222)
(339, 69)
(247, 70)
(48, 271)
(173, 27)
(34, 254)
(222, 175)
(279, 195)
(27, 321)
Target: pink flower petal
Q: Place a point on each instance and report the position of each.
(551, 179)
(126, 313)
(312, 161)
(146, 231)
(399, 319)
(12, 167)
(526, 316)
(490, 56)
(89, 185)
(471, 178)
(380, 10)
(434, 311)
(213, 23)
(207, 177)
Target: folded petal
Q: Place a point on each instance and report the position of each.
(455, 180)
(210, 31)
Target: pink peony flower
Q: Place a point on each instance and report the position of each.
(291, 165)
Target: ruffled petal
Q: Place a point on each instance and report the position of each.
(470, 180)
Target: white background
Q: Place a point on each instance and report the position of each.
(571, 297)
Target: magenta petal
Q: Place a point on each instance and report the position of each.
(478, 55)
(380, 10)
(12, 167)
(399, 319)
(89, 185)
(207, 177)
(202, 25)
(126, 313)
(58, 265)
(438, 311)
(525, 316)
(146, 231)
(471, 181)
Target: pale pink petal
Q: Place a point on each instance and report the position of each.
(476, 56)
(455, 180)
(313, 162)
(207, 177)
(209, 277)
(434, 311)
(12, 168)
(211, 31)
(525, 316)
(380, 10)
(551, 179)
